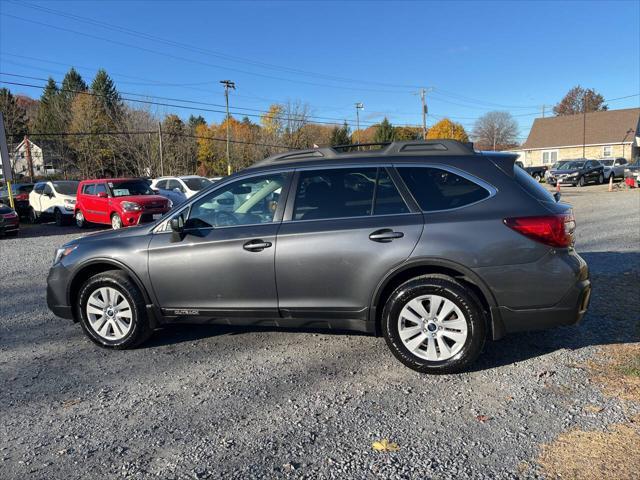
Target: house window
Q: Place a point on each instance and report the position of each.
(549, 157)
(607, 151)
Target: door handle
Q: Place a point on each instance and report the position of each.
(385, 235)
(256, 245)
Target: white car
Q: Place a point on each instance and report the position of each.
(613, 166)
(53, 199)
(189, 185)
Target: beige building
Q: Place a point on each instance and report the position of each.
(596, 135)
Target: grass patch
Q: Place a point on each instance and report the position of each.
(617, 370)
(584, 455)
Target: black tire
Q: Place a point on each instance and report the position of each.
(80, 220)
(537, 178)
(462, 297)
(601, 179)
(581, 182)
(140, 330)
(59, 217)
(33, 216)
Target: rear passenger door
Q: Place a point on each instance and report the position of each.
(343, 230)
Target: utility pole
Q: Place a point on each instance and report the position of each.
(584, 129)
(423, 97)
(359, 106)
(543, 109)
(27, 146)
(227, 85)
(160, 141)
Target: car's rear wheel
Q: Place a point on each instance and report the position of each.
(537, 178)
(601, 179)
(80, 220)
(112, 311)
(433, 324)
(116, 221)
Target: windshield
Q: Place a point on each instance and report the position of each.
(196, 183)
(66, 188)
(571, 166)
(608, 163)
(130, 187)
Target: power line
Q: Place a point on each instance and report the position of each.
(173, 105)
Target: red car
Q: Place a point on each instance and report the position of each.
(120, 202)
(9, 221)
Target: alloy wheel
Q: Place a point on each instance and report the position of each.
(79, 218)
(116, 222)
(109, 313)
(432, 327)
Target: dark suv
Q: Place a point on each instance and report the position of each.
(431, 244)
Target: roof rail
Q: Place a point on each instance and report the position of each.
(410, 147)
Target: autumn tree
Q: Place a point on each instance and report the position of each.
(495, 130)
(580, 100)
(384, 132)
(446, 128)
(340, 135)
(408, 133)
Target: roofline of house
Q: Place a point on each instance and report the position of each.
(551, 147)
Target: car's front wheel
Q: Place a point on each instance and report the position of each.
(537, 178)
(112, 311)
(33, 216)
(581, 182)
(601, 179)
(59, 218)
(116, 221)
(433, 324)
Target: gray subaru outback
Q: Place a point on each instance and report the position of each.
(430, 244)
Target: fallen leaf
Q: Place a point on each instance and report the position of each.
(482, 418)
(385, 446)
(70, 403)
(593, 409)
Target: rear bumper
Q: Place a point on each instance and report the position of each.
(569, 311)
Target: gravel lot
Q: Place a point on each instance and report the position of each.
(212, 402)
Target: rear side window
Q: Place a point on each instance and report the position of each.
(89, 189)
(532, 187)
(437, 189)
(347, 192)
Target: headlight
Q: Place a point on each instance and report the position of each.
(69, 204)
(170, 204)
(63, 252)
(131, 207)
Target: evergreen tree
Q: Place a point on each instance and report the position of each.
(105, 91)
(340, 135)
(71, 84)
(15, 117)
(48, 118)
(194, 121)
(385, 132)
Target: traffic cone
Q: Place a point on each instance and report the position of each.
(557, 185)
(611, 183)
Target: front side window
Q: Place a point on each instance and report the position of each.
(244, 202)
(89, 189)
(48, 190)
(100, 188)
(607, 151)
(437, 189)
(39, 188)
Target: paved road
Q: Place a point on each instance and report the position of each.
(212, 402)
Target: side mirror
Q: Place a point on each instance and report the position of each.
(102, 194)
(177, 224)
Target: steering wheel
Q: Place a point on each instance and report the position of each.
(224, 219)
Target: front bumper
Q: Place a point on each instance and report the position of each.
(57, 282)
(9, 225)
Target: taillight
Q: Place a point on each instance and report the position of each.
(552, 230)
(22, 196)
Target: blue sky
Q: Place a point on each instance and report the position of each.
(476, 56)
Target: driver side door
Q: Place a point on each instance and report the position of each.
(222, 264)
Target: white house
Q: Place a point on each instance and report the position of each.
(20, 164)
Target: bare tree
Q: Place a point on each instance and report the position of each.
(496, 130)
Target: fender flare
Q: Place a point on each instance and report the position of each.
(495, 322)
(110, 261)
